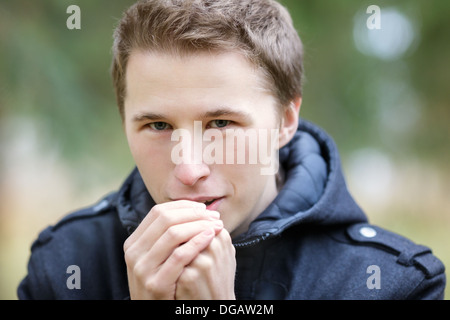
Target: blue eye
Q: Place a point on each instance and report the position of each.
(159, 125)
(219, 123)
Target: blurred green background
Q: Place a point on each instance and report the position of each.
(383, 94)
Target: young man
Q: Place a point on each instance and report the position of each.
(233, 196)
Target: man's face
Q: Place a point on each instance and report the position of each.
(172, 104)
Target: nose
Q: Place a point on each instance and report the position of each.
(189, 173)
(189, 164)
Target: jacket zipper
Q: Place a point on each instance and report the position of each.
(252, 242)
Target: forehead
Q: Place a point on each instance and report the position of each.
(155, 78)
(219, 67)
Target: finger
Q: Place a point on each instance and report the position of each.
(220, 248)
(184, 255)
(160, 209)
(178, 235)
(164, 215)
(211, 274)
(144, 240)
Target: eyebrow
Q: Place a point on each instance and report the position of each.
(220, 112)
(224, 111)
(148, 116)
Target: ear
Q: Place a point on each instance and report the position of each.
(289, 122)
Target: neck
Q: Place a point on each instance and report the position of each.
(269, 194)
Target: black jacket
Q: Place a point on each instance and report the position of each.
(312, 242)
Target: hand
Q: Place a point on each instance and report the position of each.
(168, 239)
(211, 274)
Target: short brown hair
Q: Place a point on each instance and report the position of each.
(261, 29)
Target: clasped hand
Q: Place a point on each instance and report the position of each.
(180, 251)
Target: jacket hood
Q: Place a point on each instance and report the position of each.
(314, 190)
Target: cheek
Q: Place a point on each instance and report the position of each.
(140, 151)
(154, 166)
(151, 158)
(248, 188)
(246, 180)
(133, 141)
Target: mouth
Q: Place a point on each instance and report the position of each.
(207, 203)
(211, 203)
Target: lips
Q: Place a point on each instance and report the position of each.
(212, 203)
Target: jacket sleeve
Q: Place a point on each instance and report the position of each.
(432, 287)
(34, 286)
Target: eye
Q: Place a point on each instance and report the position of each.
(159, 126)
(219, 123)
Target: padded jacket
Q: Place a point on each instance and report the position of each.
(312, 242)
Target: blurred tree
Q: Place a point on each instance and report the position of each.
(344, 88)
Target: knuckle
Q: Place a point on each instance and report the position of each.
(166, 216)
(139, 270)
(162, 214)
(204, 263)
(172, 232)
(156, 211)
(151, 285)
(189, 276)
(207, 264)
(178, 255)
(129, 255)
(126, 246)
(154, 289)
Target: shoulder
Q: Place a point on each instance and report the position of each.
(406, 252)
(406, 269)
(358, 261)
(81, 226)
(90, 238)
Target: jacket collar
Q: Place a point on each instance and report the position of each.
(133, 201)
(314, 191)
